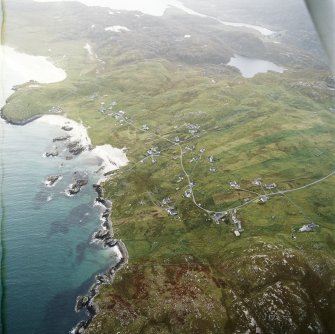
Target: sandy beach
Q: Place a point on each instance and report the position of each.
(112, 158)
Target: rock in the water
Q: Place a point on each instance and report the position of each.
(101, 234)
(79, 180)
(75, 147)
(51, 154)
(51, 180)
(102, 278)
(80, 328)
(67, 128)
(62, 138)
(81, 302)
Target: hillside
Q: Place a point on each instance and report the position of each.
(192, 125)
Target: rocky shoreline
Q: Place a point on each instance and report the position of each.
(19, 122)
(102, 236)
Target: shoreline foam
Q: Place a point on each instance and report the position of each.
(112, 158)
(78, 132)
(107, 241)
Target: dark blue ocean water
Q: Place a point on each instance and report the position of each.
(49, 259)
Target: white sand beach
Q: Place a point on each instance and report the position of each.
(78, 132)
(117, 252)
(18, 68)
(112, 158)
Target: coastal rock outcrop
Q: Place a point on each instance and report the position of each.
(61, 138)
(67, 128)
(51, 180)
(75, 147)
(79, 180)
(104, 236)
(51, 154)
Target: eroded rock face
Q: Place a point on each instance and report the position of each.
(67, 128)
(81, 302)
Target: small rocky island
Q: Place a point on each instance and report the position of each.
(61, 138)
(78, 181)
(52, 180)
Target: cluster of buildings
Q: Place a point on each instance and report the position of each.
(219, 216)
(236, 222)
(230, 216)
(167, 204)
(119, 115)
(103, 108)
(153, 151)
(195, 158)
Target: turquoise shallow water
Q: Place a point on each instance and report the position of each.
(49, 257)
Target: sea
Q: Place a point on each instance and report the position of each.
(47, 257)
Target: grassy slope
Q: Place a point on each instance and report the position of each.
(187, 274)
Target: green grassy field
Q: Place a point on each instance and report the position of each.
(187, 274)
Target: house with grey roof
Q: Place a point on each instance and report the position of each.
(308, 227)
(263, 199)
(270, 186)
(172, 211)
(234, 185)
